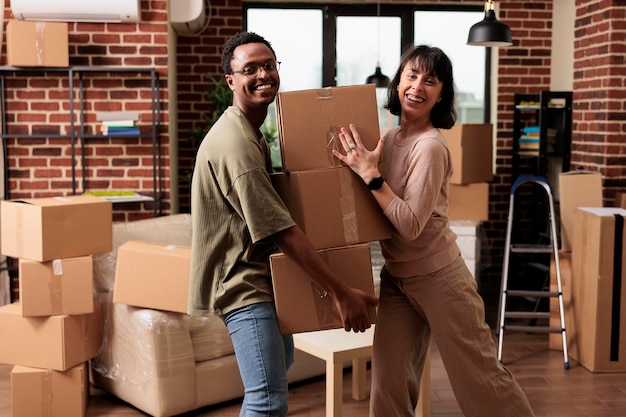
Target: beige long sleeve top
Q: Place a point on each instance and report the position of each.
(418, 171)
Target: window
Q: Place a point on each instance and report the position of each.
(468, 62)
(338, 44)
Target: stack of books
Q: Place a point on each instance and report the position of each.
(118, 123)
(529, 141)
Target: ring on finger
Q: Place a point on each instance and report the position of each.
(349, 150)
(352, 146)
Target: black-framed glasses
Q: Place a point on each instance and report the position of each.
(251, 70)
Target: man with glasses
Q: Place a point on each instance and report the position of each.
(238, 220)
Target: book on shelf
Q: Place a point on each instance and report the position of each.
(118, 123)
(120, 196)
(106, 116)
(121, 130)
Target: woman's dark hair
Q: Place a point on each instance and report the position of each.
(239, 39)
(435, 62)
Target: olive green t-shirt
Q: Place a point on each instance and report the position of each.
(234, 209)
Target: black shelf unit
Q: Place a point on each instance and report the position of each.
(551, 112)
(75, 77)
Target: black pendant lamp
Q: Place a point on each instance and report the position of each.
(490, 31)
(378, 78)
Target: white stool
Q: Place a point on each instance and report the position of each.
(338, 346)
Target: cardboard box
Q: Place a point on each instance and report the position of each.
(556, 339)
(598, 288)
(301, 305)
(37, 392)
(576, 189)
(332, 206)
(308, 123)
(62, 286)
(37, 44)
(44, 229)
(152, 275)
(55, 342)
(471, 148)
(468, 202)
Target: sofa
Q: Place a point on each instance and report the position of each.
(167, 363)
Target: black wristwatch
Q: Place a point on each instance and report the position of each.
(376, 183)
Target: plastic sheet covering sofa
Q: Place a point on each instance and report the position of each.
(166, 363)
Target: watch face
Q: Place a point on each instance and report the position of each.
(376, 183)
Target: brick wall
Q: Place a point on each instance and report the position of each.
(599, 114)
(198, 59)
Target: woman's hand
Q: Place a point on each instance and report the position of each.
(361, 160)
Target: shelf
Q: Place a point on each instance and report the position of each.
(550, 113)
(77, 113)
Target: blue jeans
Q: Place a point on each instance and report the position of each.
(263, 356)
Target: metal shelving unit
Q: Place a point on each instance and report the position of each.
(75, 76)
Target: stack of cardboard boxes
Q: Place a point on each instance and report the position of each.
(327, 200)
(592, 271)
(55, 328)
(471, 148)
(576, 189)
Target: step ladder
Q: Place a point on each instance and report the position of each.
(504, 312)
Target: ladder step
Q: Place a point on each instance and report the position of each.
(524, 293)
(527, 315)
(534, 329)
(528, 248)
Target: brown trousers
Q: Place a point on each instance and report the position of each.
(446, 305)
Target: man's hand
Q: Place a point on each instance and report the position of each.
(354, 306)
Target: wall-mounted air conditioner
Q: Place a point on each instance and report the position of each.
(189, 17)
(77, 10)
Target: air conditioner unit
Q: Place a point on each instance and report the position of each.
(77, 10)
(189, 17)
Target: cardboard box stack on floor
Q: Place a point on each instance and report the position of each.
(576, 189)
(598, 289)
(55, 328)
(327, 200)
(471, 148)
(592, 273)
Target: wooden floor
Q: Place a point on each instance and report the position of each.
(552, 390)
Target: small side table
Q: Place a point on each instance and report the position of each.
(338, 346)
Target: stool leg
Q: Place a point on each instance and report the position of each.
(359, 381)
(334, 388)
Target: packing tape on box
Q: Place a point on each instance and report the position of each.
(47, 404)
(333, 143)
(348, 207)
(326, 114)
(324, 305)
(84, 319)
(19, 218)
(40, 42)
(56, 287)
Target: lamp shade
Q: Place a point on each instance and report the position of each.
(490, 32)
(378, 78)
